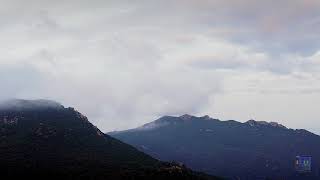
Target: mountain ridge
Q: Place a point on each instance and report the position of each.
(226, 148)
(166, 120)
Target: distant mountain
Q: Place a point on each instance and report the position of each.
(44, 140)
(250, 150)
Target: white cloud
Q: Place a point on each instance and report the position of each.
(124, 63)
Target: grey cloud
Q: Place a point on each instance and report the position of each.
(127, 62)
(20, 81)
(275, 26)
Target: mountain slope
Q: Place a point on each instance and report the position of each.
(228, 148)
(43, 139)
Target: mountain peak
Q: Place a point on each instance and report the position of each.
(255, 123)
(186, 117)
(22, 104)
(189, 117)
(206, 117)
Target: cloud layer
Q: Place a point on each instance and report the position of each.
(125, 63)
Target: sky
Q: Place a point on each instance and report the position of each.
(124, 63)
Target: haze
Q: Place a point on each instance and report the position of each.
(125, 63)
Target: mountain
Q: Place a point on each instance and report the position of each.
(250, 150)
(43, 139)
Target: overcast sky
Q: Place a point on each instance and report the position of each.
(123, 63)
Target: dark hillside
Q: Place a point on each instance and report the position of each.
(49, 141)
